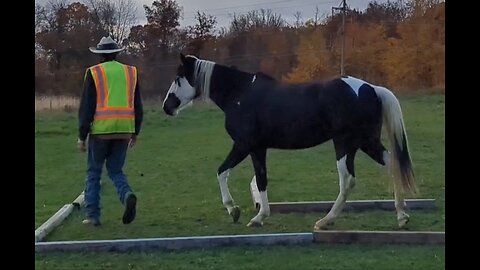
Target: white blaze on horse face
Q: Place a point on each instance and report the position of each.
(182, 89)
(354, 83)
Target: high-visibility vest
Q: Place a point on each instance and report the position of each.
(115, 86)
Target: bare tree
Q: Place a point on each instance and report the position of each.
(114, 16)
(46, 15)
(298, 19)
(263, 18)
(315, 21)
(39, 11)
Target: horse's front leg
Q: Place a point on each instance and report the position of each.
(236, 155)
(259, 163)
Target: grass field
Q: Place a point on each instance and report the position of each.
(314, 256)
(179, 194)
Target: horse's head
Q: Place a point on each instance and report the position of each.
(182, 91)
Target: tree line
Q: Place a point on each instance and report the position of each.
(400, 44)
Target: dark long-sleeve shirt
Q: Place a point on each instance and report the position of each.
(88, 106)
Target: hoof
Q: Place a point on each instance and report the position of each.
(253, 223)
(403, 222)
(235, 213)
(323, 224)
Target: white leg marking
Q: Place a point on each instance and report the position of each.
(346, 183)
(400, 205)
(227, 200)
(264, 210)
(254, 191)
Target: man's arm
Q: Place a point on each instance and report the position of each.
(138, 105)
(88, 105)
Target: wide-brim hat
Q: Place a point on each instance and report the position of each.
(106, 45)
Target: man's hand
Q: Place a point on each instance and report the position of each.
(81, 145)
(133, 141)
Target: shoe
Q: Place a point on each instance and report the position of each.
(130, 209)
(89, 221)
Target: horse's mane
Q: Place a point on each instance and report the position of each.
(203, 70)
(202, 74)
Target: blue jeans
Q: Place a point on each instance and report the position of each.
(114, 152)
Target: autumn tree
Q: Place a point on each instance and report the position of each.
(157, 37)
(417, 57)
(312, 58)
(365, 49)
(397, 43)
(64, 35)
(157, 43)
(248, 34)
(279, 58)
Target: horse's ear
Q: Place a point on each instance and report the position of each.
(182, 57)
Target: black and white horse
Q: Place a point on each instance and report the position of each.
(261, 113)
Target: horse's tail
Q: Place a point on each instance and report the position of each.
(400, 161)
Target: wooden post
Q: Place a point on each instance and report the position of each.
(53, 222)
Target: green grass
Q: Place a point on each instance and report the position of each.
(179, 194)
(314, 256)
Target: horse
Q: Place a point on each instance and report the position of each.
(261, 113)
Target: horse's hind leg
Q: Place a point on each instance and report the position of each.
(236, 155)
(259, 164)
(255, 193)
(378, 153)
(345, 160)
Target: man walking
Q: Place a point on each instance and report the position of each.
(110, 116)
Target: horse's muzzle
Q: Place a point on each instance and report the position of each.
(171, 103)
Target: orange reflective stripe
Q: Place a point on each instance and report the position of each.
(100, 85)
(114, 109)
(115, 117)
(116, 112)
(131, 82)
(105, 96)
(110, 114)
(128, 78)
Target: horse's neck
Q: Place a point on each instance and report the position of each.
(228, 85)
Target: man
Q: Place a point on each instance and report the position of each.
(110, 115)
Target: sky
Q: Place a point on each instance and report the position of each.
(223, 9)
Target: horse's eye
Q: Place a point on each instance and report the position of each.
(179, 84)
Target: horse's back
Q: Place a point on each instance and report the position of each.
(304, 115)
(291, 116)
